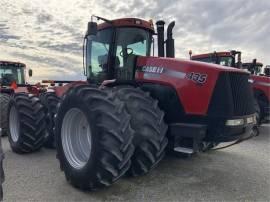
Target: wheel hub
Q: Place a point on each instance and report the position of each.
(76, 138)
(14, 124)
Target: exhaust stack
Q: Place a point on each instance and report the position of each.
(170, 51)
(160, 33)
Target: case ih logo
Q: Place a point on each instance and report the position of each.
(197, 77)
(153, 69)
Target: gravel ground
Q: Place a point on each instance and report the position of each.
(238, 173)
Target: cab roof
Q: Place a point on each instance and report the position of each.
(5, 62)
(128, 22)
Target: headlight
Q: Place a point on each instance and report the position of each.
(235, 122)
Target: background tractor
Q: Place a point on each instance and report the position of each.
(13, 81)
(134, 105)
(260, 82)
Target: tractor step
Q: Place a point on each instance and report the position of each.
(187, 137)
(184, 150)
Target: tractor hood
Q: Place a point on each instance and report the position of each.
(264, 79)
(193, 81)
(261, 84)
(182, 64)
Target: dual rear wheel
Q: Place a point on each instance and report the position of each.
(101, 135)
(27, 126)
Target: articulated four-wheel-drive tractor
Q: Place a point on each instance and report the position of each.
(260, 82)
(133, 106)
(12, 80)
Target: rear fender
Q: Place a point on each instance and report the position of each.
(61, 90)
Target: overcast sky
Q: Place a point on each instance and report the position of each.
(47, 34)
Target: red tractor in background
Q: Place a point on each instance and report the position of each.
(254, 67)
(133, 106)
(267, 71)
(13, 81)
(260, 82)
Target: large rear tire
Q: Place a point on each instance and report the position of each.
(27, 125)
(4, 99)
(93, 137)
(50, 102)
(147, 120)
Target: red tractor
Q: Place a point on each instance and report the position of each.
(254, 67)
(12, 80)
(133, 106)
(260, 82)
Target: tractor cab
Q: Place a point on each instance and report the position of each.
(267, 71)
(254, 67)
(11, 72)
(112, 47)
(229, 58)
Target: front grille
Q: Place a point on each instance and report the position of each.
(232, 96)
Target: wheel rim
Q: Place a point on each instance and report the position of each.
(14, 124)
(76, 138)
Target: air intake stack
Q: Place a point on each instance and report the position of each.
(160, 33)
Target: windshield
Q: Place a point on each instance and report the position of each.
(129, 43)
(10, 73)
(207, 59)
(224, 61)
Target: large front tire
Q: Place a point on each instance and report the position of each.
(147, 120)
(27, 126)
(93, 137)
(4, 100)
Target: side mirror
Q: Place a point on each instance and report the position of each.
(92, 28)
(30, 72)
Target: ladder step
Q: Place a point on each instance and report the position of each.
(183, 150)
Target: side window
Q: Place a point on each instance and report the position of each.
(99, 57)
(19, 76)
